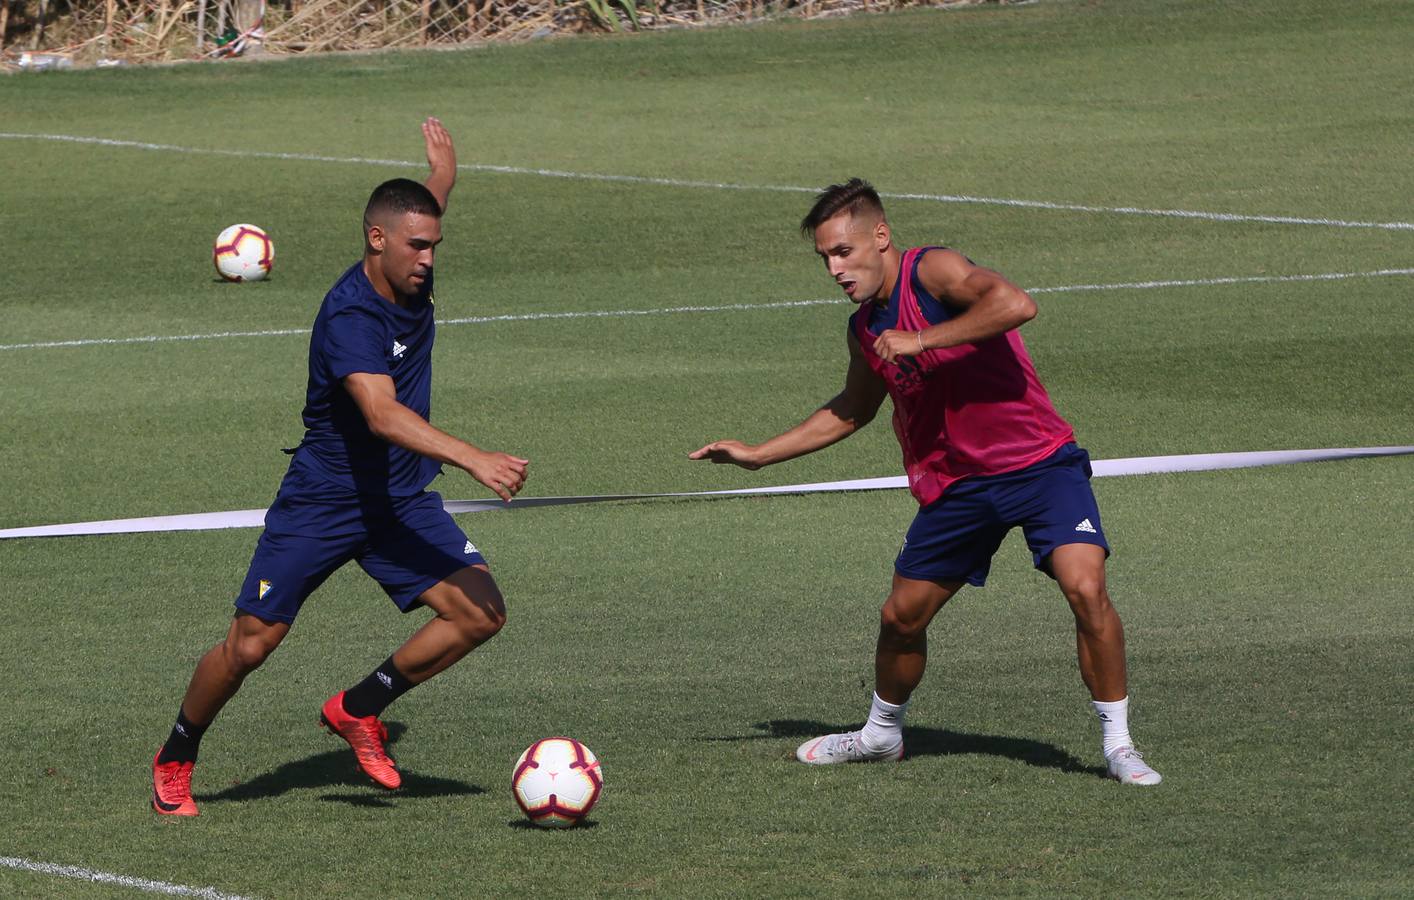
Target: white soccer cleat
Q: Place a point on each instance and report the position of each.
(1127, 767)
(841, 748)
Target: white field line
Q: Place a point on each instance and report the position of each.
(719, 185)
(141, 884)
(469, 320)
(734, 307)
(154, 339)
(1211, 282)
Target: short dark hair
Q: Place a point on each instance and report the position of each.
(399, 196)
(856, 196)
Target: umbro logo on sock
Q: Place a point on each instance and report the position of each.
(1086, 527)
(398, 350)
(469, 549)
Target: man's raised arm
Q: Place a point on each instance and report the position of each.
(441, 159)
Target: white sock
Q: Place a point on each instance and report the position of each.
(884, 729)
(1114, 724)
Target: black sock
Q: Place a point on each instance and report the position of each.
(373, 694)
(183, 742)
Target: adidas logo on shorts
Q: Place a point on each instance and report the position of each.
(1086, 527)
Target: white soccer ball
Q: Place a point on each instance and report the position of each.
(243, 253)
(557, 781)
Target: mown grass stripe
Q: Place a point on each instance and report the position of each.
(730, 307)
(725, 185)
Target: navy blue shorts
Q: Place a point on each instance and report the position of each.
(955, 537)
(411, 545)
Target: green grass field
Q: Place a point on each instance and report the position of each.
(692, 643)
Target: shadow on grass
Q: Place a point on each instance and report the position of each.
(337, 768)
(527, 825)
(924, 741)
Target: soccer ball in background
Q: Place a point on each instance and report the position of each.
(557, 781)
(243, 253)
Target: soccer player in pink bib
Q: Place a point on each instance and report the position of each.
(984, 449)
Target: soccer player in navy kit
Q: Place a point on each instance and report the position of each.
(984, 450)
(356, 490)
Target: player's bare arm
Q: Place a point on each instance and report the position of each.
(441, 159)
(393, 422)
(991, 305)
(850, 410)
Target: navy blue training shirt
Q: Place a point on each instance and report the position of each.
(359, 331)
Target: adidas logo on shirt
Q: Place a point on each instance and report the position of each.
(1086, 527)
(398, 350)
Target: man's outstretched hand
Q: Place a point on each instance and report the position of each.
(734, 452)
(501, 472)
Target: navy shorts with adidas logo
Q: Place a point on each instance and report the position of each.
(955, 537)
(407, 544)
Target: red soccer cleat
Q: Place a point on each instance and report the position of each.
(171, 788)
(366, 737)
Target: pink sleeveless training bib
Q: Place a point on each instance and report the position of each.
(974, 409)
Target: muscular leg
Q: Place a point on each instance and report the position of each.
(469, 611)
(217, 678)
(899, 659)
(1099, 635)
(902, 650)
(220, 672)
(1099, 642)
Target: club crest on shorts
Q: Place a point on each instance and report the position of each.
(264, 589)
